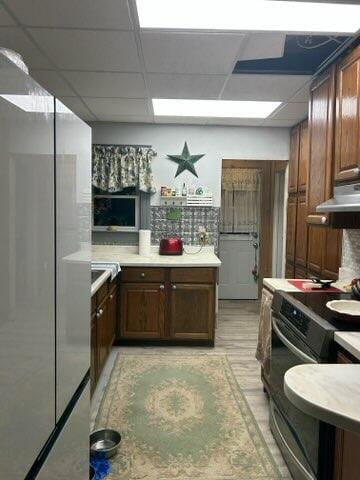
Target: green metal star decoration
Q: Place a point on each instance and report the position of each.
(185, 161)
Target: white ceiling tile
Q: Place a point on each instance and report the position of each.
(248, 122)
(89, 49)
(263, 87)
(125, 118)
(181, 120)
(53, 82)
(69, 13)
(105, 84)
(291, 111)
(15, 39)
(263, 45)
(185, 86)
(77, 106)
(5, 18)
(279, 123)
(301, 95)
(118, 106)
(190, 52)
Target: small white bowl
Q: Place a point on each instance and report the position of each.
(348, 310)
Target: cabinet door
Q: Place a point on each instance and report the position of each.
(332, 253)
(289, 271)
(301, 232)
(316, 242)
(102, 333)
(321, 135)
(112, 316)
(347, 447)
(303, 156)
(192, 311)
(294, 159)
(300, 272)
(291, 229)
(142, 310)
(94, 354)
(347, 130)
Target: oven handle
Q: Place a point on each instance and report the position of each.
(296, 351)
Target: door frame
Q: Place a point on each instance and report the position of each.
(268, 169)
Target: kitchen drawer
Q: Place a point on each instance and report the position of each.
(143, 275)
(102, 292)
(193, 275)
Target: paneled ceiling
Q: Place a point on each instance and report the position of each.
(93, 55)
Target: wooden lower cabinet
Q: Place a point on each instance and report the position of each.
(300, 272)
(347, 445)
(181, 308)
(192, 311)
(103, 328)
(142, 310)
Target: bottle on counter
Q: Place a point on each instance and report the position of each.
(184, 190)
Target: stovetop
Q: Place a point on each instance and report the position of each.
(315, 302)
(308, 317)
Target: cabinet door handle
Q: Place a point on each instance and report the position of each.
(99, 313)
(111, 297)
(142, 275)
(323, 220)
(162, 287)
(174, 287)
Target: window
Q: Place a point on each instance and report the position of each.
(116, 212)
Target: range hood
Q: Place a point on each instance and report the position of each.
(346, 199)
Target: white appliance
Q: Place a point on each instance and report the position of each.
(45, 163)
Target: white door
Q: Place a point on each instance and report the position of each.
(237, 254)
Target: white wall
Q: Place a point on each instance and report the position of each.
(217, 142)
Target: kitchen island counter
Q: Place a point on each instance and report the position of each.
(128, 256)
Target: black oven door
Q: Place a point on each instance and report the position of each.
(297, 434)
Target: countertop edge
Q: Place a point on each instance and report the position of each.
(342, 339)
(100, 281)
(317, 410)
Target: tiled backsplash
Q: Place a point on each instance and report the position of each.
(351, 250)
(187, 226)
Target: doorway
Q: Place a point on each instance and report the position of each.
(247, 227)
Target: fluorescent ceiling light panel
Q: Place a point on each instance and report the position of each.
(213, 108)
(249, 15)
(36, 103)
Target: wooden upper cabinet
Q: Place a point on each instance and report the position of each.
(347, 131)
(321, 135)
(291, 229)
(301, 232)
(303, 156)
(294, 159)
(332, 254)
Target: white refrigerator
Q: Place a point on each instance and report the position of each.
(45, 240)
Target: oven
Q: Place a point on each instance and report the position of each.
(305, 442)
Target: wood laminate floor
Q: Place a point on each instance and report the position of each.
(236, 336)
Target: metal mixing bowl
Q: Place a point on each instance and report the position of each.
(104, 443)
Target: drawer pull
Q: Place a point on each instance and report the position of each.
(99, 313)
(111, 297)
(174, 287)
(142, 275)
(162, 287)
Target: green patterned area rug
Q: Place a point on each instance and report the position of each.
(182, 417)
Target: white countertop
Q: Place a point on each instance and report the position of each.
(274, 284)
(350, 341)
(128, 256)
(329, 392)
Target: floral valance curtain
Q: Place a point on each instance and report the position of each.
(240, 199)
(116, 167)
